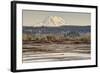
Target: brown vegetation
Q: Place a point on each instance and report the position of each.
(56, 39)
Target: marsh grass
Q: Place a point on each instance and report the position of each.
(28, 38)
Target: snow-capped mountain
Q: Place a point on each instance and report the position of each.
(54, 21)
(51, 21)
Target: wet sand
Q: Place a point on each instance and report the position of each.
(38, 52)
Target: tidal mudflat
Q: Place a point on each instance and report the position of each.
(43, 52)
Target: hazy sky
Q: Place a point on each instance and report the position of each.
(35, 18)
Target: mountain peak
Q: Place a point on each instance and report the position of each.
(53, 21)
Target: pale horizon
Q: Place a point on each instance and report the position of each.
(53, 19)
